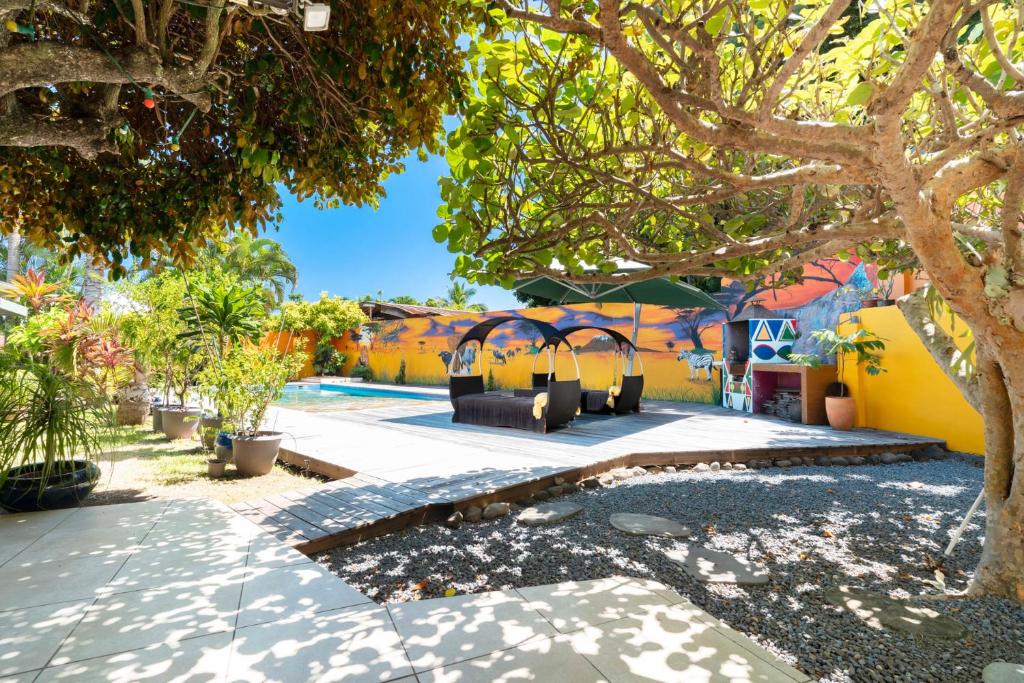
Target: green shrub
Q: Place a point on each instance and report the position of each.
(327, 360)
(362, 371)
(400, 377)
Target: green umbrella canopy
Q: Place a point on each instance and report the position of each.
(659, 291)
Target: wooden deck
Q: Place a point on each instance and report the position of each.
(399, 466)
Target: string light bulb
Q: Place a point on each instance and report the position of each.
(15, 27)
(175, 143)
(148, 102)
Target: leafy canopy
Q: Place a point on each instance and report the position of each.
(245, 105)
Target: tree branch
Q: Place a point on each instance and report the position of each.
(87, 136)
(40, 64)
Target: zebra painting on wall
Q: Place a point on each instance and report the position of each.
(697, 360)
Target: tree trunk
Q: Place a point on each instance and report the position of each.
(13, 253)
(92, 283)
(1001, 569)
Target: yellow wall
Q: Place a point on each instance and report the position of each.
(913, 395)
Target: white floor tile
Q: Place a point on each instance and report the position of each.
(355, 645)
(266, 552)
(575, 604)
(668, 643)
(542, 661)
(30, 636)
(173, 564)
(197, 660)
(26, 585)
(270, 594)
(127, 621)
(448, 630)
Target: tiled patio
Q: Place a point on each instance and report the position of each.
(189, 591)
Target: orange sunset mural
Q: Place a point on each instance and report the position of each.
(828, 289)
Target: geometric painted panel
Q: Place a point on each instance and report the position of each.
(766, 351)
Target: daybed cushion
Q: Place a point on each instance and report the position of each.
(498, 411)
(592, 401)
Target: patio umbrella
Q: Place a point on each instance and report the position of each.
(660, 291)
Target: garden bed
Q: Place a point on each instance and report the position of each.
(813, 528)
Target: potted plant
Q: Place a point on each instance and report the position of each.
(181, 421)
(254, 377)
(885, 287)
(842, 410)
(51, 431)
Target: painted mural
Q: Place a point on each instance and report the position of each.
(678, 346)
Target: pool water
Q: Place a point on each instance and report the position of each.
(322, 398)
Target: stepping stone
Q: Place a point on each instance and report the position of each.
(899, 615)
(713, 566)
(1003, 672)
(648, 525)
(548, 513)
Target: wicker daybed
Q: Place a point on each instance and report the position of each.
(622, 397)
(554, 406)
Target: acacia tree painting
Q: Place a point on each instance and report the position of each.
(128, 128)
(740, 139)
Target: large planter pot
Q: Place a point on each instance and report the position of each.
(841, 412)
(132, 412)
(209, 427)
(256, 455)
(21, 491)
(180, 423)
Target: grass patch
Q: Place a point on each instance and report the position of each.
(142, 465)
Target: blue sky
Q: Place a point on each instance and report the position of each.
(355, 251)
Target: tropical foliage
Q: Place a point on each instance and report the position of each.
(249, 379)
(329, 316)
(743, 139)
(142, 129)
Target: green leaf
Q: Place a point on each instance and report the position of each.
(860, 94)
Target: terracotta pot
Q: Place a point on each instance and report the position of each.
(215, 468)
(869, 303)
(256, 455)
(180, 423)
(841, 411)
(209, 427)
(132, 412)
(886, 302)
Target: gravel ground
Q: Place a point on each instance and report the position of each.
(877, 527)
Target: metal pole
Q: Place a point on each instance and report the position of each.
(963, 525)
(636, 331)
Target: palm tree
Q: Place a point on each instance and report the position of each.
(257, 260)
(459, 295)
(14, 253)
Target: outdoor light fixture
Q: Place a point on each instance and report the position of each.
(315, 16)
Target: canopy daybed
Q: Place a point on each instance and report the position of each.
(556, 405)
(624, 396)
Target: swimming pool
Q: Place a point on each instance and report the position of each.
(330, 397)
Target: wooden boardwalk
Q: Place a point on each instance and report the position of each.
(409, 464)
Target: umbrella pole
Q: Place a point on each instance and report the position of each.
(633, 337)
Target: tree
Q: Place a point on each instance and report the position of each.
(743, 139)
(222, 313)
(256, 260)
(405, 299)
(13, 253)
(460, 295)
(329, 317)
(128, 129)
(690, 321)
